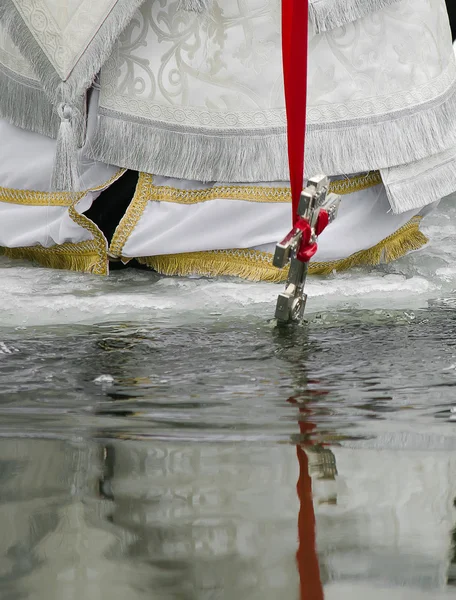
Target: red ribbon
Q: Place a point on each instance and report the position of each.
(295, 34)
(307, 249)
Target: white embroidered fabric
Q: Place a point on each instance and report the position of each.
(219, 72)
(208, 92)
(225, 72)
(64, 30)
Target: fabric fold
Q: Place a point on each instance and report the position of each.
(421, 183)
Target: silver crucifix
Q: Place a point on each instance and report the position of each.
(315, 198)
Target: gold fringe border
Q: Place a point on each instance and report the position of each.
(90, 257)
(83, 256)
(99, 242)
(257, 266)
(406, 239)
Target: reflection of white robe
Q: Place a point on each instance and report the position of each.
(232, 525)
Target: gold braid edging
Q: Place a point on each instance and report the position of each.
(99, 242)
(350, 185)
(133, 214)
(249, 193)
(257, 266)
(168, 194)
(30, 198)
(33, 198)
(252, 193)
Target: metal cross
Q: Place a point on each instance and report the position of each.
(300, 245)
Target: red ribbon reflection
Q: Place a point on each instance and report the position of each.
(306, 556)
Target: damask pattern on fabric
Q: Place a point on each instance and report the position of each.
(64, 45)
(221, 71)
(64, 30)
(225, 71)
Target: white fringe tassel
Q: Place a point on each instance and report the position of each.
(24, 104)
(329, 14)
(190, 154)
(72, 111)
(65, 177)
(204, 155)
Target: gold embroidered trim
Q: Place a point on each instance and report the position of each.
(355, 184)
(32, 198)
(133, 214)
(257, 266)
(258, 193)
(83, 256)
(99, 241)
(27, 198)
(175, 195)
(249, 193)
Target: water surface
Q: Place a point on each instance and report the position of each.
(157, 435)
